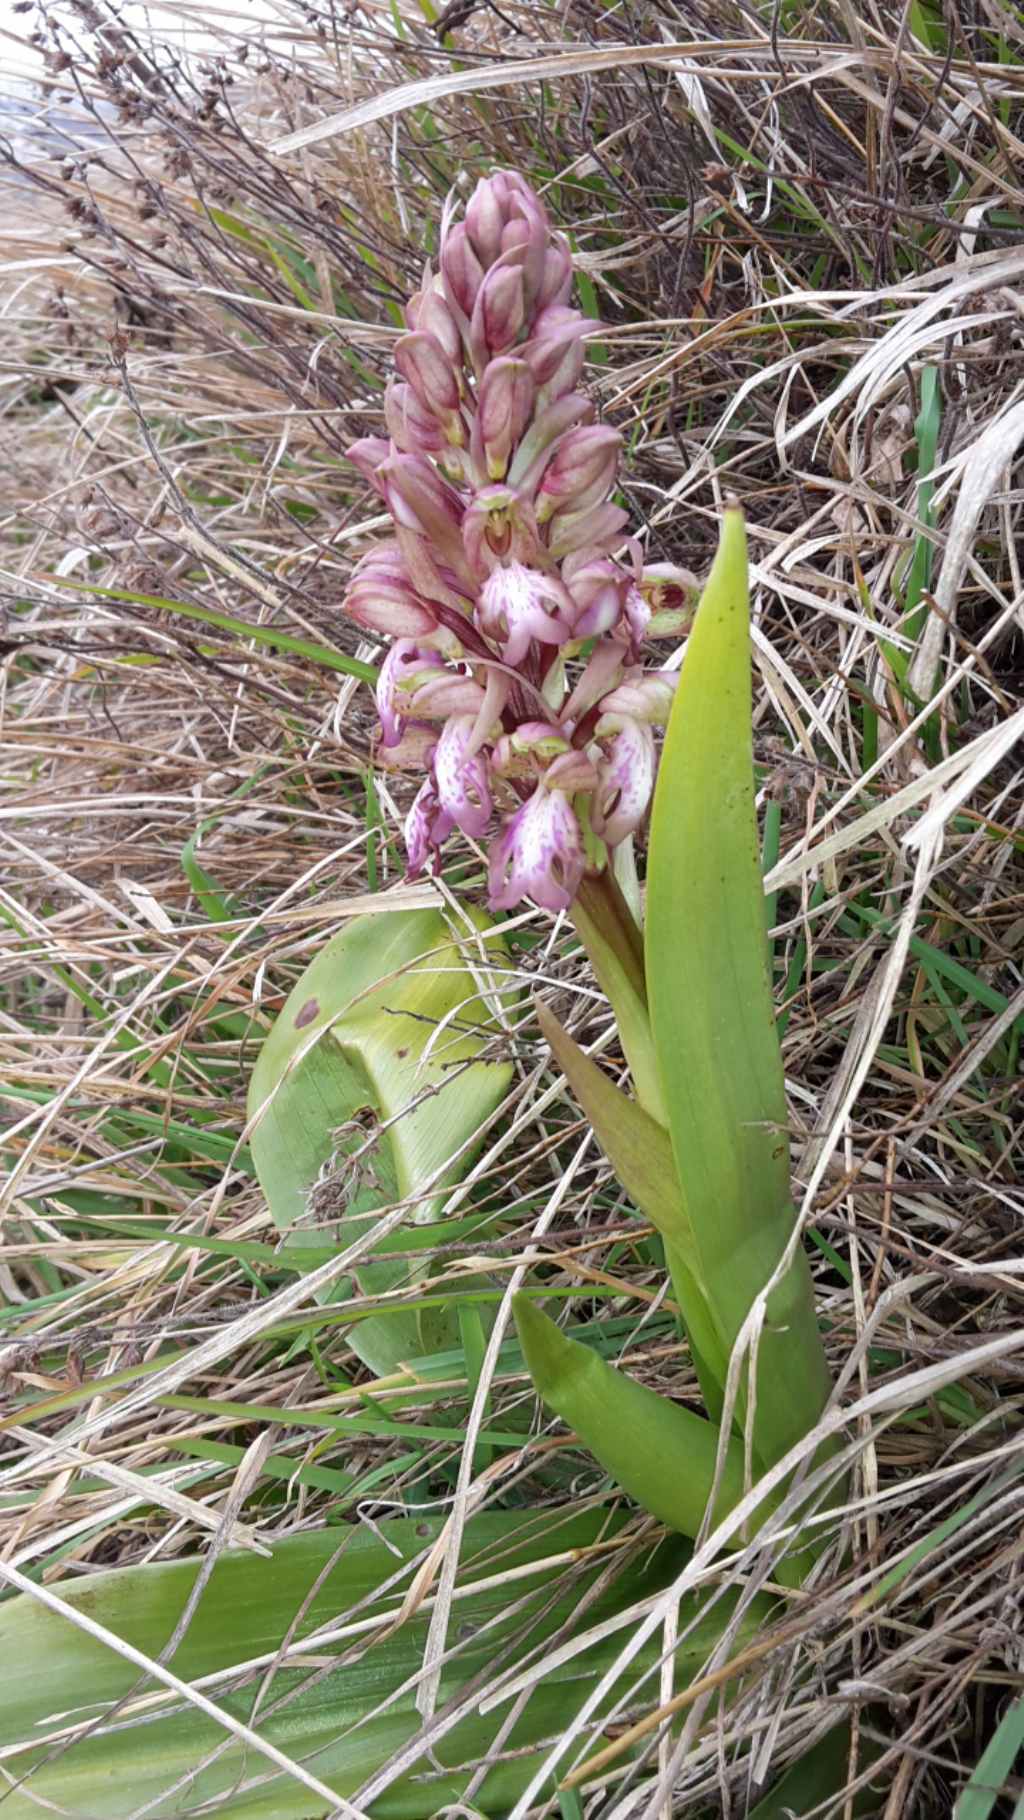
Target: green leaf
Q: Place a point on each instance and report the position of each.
(638, 1148)
(226, 622)
(640, 1152)
(712, 1014)
(358, 1082)
(995, 1766)
(344, 1708)
(660, 1453)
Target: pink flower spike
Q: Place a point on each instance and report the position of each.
(539, 854)
(518, 606)
(404, 665)
(427, 826)
(461, 778)
(625, 780)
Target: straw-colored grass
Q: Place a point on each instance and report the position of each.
(802, 229)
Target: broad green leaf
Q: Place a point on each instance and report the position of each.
(347, 1706)
(711, 1010)
(360, 1095)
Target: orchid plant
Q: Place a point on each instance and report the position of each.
(518, 607)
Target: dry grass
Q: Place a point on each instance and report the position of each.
(787, 232)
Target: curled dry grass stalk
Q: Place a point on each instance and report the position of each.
(802, 231)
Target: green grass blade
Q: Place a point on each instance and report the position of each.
(226, 622)
(983, 1792)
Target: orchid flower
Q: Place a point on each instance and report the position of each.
(513, 676)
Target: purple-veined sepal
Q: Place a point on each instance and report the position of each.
(538, 854)
(461, 777)
(625, 778)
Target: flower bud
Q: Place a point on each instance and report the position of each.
(367, 455)
(486, 215)
(504, 212)
(428, 313)
(419, 500)
(550, 423)
(598, 530)
(406, 664)
(427, 826)
(639, 697)
(554, 352)
(381, 598)
(518, 606)
(581, 472)
(413, 429)
(461, 271)
(461, 779)
(539, 854)
(504, 404)
(556, 279)
(423, 363)
(499, 313)
(625, 771)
